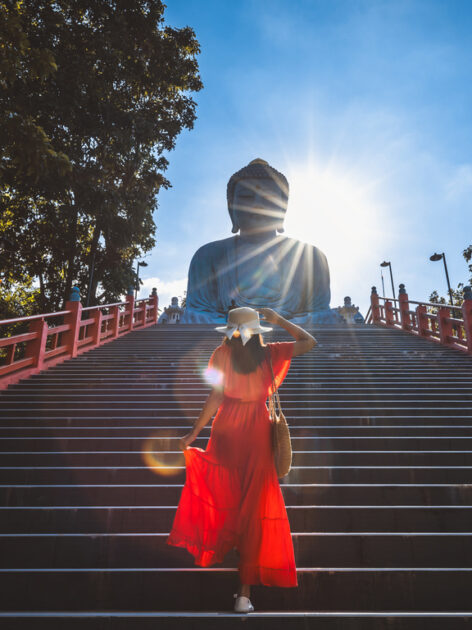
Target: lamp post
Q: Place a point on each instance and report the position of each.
(388, 264)
(435, 257)
(139, 264)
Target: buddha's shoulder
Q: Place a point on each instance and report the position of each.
(217, 248)
(293, 244)
(214, 248)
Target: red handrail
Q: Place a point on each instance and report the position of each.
(72, 337)
(442, 327)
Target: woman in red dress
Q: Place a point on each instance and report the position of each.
(232, 497)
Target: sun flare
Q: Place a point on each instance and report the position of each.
(332, 208)
(339, 211)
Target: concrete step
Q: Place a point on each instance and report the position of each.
(176, 474)
(363, 550)
(171, 443)
(198, 589)
(176, 410)
(122, 457)
(48, 431)
(311, 399)
(303, 518)
(276, 620)
(189, 386)
(179, 419)
(294, 494)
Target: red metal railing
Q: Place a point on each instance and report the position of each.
(45, 345)
(448, 325)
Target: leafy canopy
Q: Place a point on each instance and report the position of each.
(93, 94)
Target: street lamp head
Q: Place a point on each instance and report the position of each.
(436, 257)
(142, 264)
(384, 264)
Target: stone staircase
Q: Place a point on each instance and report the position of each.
(379, 497)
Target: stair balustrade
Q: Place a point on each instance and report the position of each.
(82, 329)
(442, 323)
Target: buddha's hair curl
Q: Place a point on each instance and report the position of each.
(256, 168)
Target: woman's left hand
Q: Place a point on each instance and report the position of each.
(186, 440)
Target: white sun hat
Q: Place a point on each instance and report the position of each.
(246, 321)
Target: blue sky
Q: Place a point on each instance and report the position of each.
(366, 106)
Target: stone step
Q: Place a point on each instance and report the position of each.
(353, 364)
(306, 412)
(198, 589)
(159, 518)
(311, 399)
(122, 457)
(178, 419)
(276, 620)
(194, 379)
(153, 441)
(194, 387)
(308, 474)
(294, 494)
(56, 550)
(334, 432)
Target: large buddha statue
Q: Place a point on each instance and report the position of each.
(258, 267)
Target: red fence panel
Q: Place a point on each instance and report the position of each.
(441, 326)
(82, 329)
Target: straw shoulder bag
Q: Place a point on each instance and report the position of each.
(281, 444)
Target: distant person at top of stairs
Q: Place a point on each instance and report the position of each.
(232, 497)
(232, 305)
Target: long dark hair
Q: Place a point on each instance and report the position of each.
(246, 359)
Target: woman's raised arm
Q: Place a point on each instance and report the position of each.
(304, 341)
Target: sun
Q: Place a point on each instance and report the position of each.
(340, 211)
(333, 206)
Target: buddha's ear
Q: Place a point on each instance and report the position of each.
(235, 227)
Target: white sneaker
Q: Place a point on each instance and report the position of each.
(242, 604)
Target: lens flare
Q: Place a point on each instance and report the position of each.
(213, 376)
(157, 453)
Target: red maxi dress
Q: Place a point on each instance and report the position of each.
(232, 497)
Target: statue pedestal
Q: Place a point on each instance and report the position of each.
(324, 316)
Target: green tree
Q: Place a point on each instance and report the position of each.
(92, 97)
(458, 293)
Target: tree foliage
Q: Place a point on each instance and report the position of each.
(457, 294)
(92, 96)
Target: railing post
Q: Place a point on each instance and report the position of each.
(73, 319)
(405, 317)
(467, 315)
(374, 303)
(445, 326)
(97, 327)
(422, 320)
(115, 311)
(36, 348)
(130, 307)
(155, 303)
(389, 318)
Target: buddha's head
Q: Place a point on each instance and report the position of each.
(257, 198)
